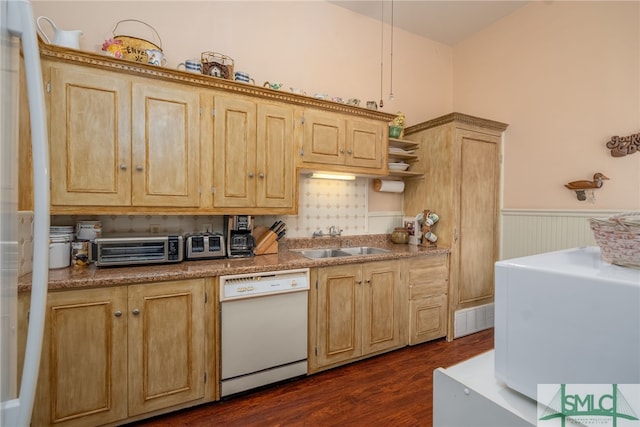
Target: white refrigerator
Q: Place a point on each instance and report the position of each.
(17, 31)
(566, 317)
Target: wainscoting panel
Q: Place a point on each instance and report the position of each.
(384, 222)
(529, 232)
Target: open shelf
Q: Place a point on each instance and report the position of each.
(401, 143)
(406, 174)
(408, 157)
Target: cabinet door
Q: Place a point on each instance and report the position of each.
(338, 316)
(479, 213)
(234, 170)
(83, 371)
(276, 178)
(383, 308)
(324, 138)
(166, 344)
(428, 319)
(89, 138)
(166, 138)
(366, 145)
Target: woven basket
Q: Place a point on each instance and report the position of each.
(619, 238)
(217, 65)
(134, 48)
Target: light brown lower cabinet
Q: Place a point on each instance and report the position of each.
(428, 281)
(356, 310)
(115, 353)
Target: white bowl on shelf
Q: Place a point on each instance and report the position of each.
(398, 166)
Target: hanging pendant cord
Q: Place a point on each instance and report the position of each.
(381, 48)
(391, 65)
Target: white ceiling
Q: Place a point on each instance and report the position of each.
(445, 21)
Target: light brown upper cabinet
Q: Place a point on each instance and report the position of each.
(117, 141)
(131, 138)
(333, 142)
(253, 155)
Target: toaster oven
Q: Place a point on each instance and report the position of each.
(129, 250)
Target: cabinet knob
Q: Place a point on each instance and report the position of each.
(368, 281)
(139, 168)
(250, 174)
(350, 151)
(261, 175)
(123, 167)
(135, 311)
(342, 151)
(118, 313)
(359, 282)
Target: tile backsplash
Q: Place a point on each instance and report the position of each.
(324, 203)
(321, 204)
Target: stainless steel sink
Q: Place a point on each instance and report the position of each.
(365, 250)
(341, 252)
(323, 253)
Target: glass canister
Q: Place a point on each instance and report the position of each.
(400, 235)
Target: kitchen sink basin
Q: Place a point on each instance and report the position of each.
(323, 253)
(365, 250)
(341, 252)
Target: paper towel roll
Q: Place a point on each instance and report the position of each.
(388, 186)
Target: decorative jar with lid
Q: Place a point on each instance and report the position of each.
(400, 235)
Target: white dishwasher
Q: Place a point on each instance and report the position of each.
(263, 327)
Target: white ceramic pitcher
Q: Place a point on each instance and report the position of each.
(66, 38)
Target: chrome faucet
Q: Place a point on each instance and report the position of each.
(333, 232)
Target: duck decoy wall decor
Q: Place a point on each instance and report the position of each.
(580, 187)
(622, 145)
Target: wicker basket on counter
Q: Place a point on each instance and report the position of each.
(619, 238)
(134, 48)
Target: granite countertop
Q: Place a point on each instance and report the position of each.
(286, 259)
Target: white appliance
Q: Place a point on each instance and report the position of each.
(17, 25)
(263, 328)
(566, 317)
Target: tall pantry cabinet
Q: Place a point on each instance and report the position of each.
(460, 157)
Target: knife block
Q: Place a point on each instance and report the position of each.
(266, 242)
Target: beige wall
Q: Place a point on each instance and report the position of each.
(566, 77)
(312, 45)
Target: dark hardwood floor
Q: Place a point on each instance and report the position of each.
(393, 389)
